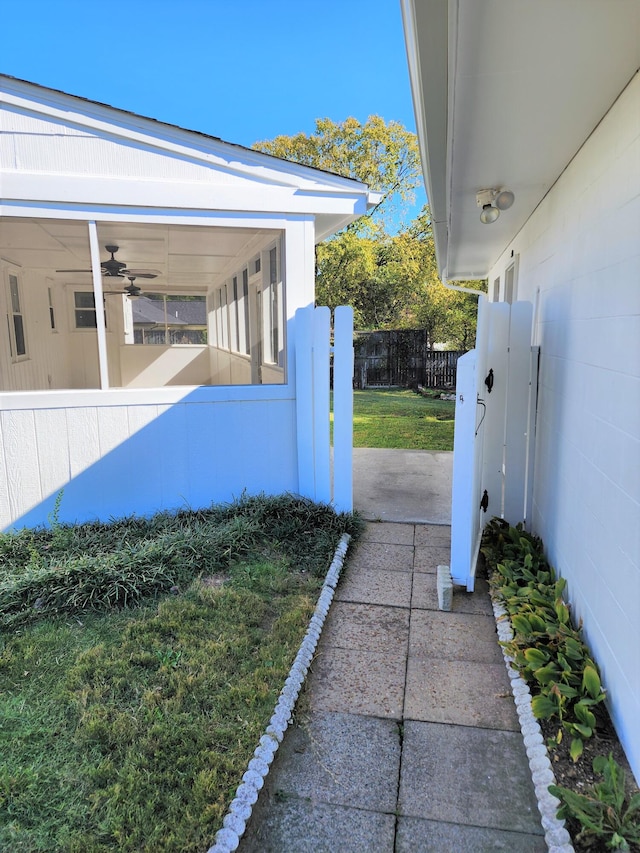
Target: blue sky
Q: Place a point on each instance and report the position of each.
(243, 70)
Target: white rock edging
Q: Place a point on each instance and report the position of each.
(556, 836)
(235, 821)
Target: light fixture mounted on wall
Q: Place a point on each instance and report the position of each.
(492, 201)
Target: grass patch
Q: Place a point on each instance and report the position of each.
(127, 721)
(402, 419)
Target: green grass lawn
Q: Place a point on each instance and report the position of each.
(402, 419)
(139, 665)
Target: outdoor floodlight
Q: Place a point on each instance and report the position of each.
(492, 201)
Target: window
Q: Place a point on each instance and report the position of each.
(15, 320)
(510, 281)
(52, 316)
(171, 320)
(84, 309)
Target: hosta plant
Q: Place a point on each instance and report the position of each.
(546, 648)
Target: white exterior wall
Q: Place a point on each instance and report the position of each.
(115, 460)
(579, 263)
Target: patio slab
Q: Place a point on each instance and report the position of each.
(366, 626)
(461, 693)
(411, 486)
(454, 636)
(292, 825)
(414, 834)
(388, 533)
(358, 682)
(327, 756)
(468, 776)
(370, 555)
(432, 535)
(375, 587)
(428, 558)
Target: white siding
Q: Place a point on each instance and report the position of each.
(579, 263)
(117, 460)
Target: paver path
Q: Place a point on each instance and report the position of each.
(406, 738)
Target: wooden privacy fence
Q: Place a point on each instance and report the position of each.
(402, 358)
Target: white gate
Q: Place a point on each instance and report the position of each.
(496, 392)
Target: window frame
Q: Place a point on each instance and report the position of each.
(16, 315)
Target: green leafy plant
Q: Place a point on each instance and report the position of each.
(605, 812)
(546, 648)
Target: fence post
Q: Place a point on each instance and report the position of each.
(343, 409)
(304, 401)
(321, 403)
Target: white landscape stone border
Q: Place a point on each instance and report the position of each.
(556, 836)
(239, 812)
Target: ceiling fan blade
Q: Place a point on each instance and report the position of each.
(142, 273)
(106, 273)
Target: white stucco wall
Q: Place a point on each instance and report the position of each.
(579, 263)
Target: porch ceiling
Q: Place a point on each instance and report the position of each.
(187, 258)
(505, 94)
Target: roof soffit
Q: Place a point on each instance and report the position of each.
(527, 84)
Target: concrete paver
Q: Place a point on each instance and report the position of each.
(459, 774)
(328, 755)
(375, 586)
(430, 535)
(427, 559)
(449, 636)
(417, 834)
(388, 534)
(359, 682)
(370, 555)
(292, 825)
(366, 626)
(460, 693)
(408, 739)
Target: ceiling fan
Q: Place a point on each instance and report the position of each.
(132, 290)
(113, 268)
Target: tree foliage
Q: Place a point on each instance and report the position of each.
(389, 275)
(392, 282)
(382, 155)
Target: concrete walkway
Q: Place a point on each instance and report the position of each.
(403, 485)
(406, 738)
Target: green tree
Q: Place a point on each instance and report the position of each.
(383, 155)
(448, 316)
(388, 275)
